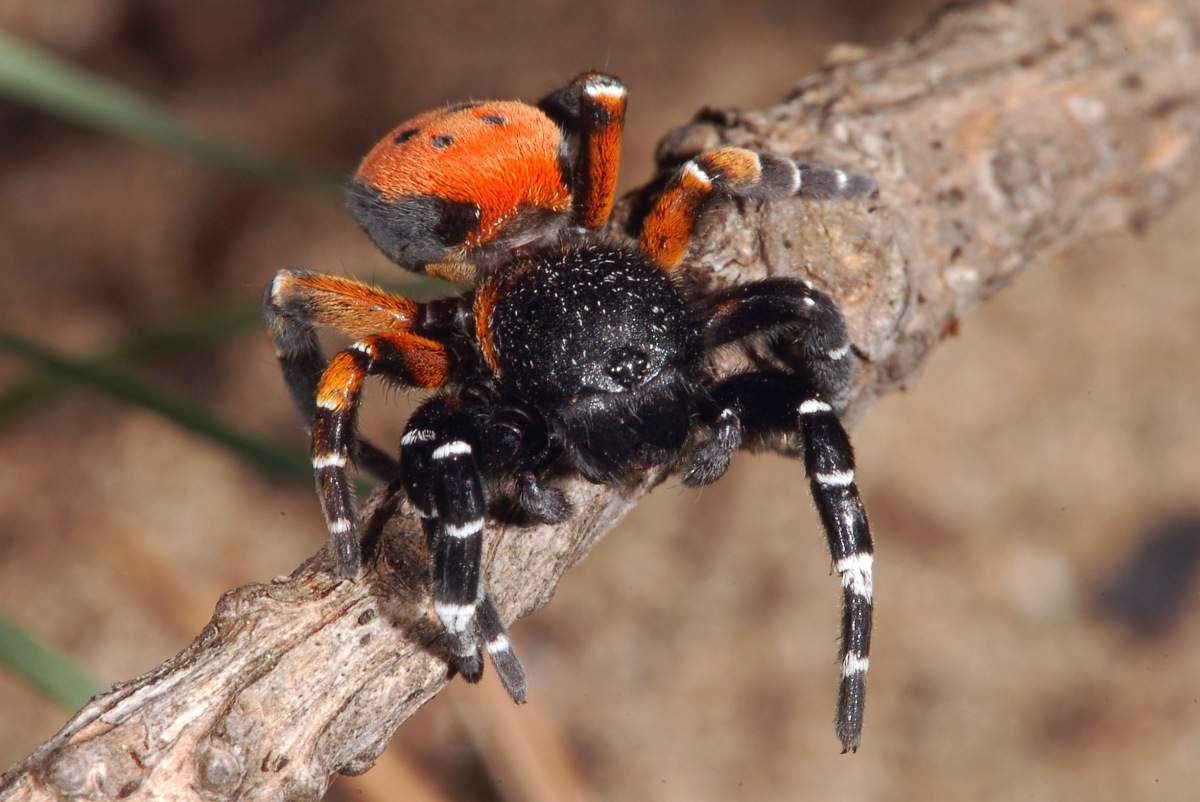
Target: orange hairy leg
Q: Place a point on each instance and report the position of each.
(328, 396)
(353, 308)
(667, 229)
(400, 356)
(592, 108)
(602, 113)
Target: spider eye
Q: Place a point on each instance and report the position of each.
(628, 367)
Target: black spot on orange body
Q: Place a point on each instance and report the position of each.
(498, 156)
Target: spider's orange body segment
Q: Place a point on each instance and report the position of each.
(502, 156)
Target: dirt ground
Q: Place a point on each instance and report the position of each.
(1035, 495)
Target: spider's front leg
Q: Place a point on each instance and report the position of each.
(441, 451)
(806, 333)
(764, 405)
(294, 304)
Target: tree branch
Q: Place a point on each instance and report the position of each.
(999, 134)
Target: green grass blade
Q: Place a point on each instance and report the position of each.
(279, 461)
(36, 77)
(207, 327)
(51, 672)
(198, 329)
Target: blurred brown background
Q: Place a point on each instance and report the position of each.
(1035, 497)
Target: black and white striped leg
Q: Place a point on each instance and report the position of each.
(443, 481)
(500, 650)
(767, 404)
(458, 500)
(829, 461)
(492, 631)
(467, 660)
(822, 181)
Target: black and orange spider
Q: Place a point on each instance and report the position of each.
(572, 353)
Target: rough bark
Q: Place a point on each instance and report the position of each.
(1000, 134)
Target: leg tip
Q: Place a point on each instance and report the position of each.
(860, 185)
(711, 459)
(849, 732)
(544, 505)
(705, 469)
(849, 719)
(470, 666)
(512, 675)
(347, 558)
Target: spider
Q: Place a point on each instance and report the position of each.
(572, 352)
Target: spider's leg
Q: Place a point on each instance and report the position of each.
(829, 462)
(802, 326)
(668, 227)
(766, 404)
(443, 480)
(401, 356)
(593, 107)
(542, 503)
(499, 648)
(295, 302)
(416, 454)
(806, 333)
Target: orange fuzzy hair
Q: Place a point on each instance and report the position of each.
(501, 156)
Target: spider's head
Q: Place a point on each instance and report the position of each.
(604, 345)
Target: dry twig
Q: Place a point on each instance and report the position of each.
(999, 134)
